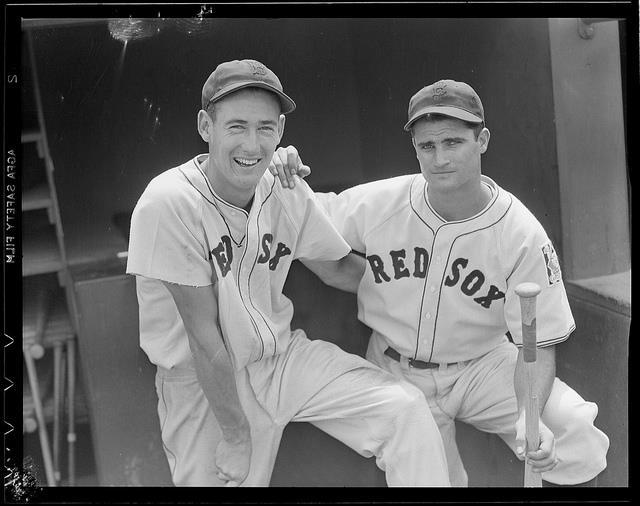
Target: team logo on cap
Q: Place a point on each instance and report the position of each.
(439, 90)
(553, 265)
(257, 68)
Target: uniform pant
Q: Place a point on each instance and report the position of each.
(480, 392)
(313, 381)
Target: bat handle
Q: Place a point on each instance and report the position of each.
(528, 293)
(532, 479)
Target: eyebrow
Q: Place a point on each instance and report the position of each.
(244, 122)
(446, 139)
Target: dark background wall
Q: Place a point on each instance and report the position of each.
(351, 79)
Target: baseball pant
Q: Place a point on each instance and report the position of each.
(344, 395)
(480, 392)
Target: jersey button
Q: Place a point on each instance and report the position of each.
(433, 289)
(427, 316)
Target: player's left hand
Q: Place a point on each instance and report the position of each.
(286, 164)
(543, 458)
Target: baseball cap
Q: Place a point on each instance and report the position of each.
(447, 97)
(235, 75)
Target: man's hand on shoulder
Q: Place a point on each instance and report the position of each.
(286, 164)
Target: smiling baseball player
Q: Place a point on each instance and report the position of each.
(444, 251)
(211, 244)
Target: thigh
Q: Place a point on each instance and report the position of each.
(191, 433)
(297, 385)
(485, 391)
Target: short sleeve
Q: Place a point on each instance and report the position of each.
(346, 212)
(317, 238)
(537, 262)
(166, 238)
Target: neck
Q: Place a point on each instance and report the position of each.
(461, 203)
(237, 197)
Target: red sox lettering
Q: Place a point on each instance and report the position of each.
(470, 285)
(421, 260)
(223, 253)
(281, 251)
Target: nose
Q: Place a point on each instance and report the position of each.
(440, 158)
(251, 142)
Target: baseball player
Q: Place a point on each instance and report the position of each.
(444, 250)
(211, 243)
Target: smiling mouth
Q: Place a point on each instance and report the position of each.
(247, 162)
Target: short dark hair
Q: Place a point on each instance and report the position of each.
(476, 127)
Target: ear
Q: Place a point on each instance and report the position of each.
(483, 139)
(204, 125)
(281, 122)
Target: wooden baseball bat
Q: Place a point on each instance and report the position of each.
(528, 293)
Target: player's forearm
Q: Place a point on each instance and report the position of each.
(198, 308)
(344, 274)
(545, 373)
(216, 376)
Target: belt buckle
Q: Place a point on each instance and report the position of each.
(423, 364)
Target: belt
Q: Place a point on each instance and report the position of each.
(418, 364)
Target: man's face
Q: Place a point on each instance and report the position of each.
(242, 138)
(449, 153)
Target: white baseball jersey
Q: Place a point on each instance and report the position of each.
(183, 232)
(443, 291)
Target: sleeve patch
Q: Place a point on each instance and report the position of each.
(551, 263)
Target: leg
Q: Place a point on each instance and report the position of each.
(433, 393)
(378, 416)
(362, 406)
(581, 447)
(489, 406)
(190, 432)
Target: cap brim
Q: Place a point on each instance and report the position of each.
(453, 112)
(287, 104)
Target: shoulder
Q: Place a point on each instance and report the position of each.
(383, 196)
(374, 203)
(172, 188)
(520, 223)
(394, 188)
(292, 199)
(170, 197)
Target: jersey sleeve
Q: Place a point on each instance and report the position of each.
(317, 239)
(166, 238)
(347, 213)
(535, 260)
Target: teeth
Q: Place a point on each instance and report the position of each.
(247, 162)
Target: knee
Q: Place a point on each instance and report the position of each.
(581, 447)
(574, 418)
(408, 397)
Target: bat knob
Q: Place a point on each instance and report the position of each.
(527, 290)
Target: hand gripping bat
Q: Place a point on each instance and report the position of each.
(528, 293)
